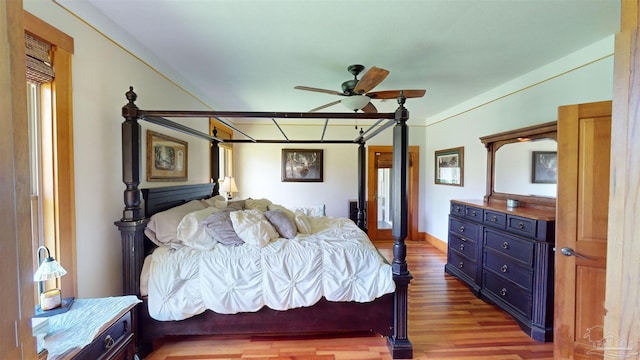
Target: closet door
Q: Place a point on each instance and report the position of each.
(584, 143)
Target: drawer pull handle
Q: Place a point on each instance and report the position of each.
(494, 218)
(473, 213)
(461, 247)
(520, 225)
(503, 292)
(505, 245)
(109, 342)
(503, 268)
(461, 228)
(463, 239)
(461, 265)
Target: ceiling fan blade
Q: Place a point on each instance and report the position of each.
(392, 94)
(325, 106)
(369, 108)
(307, 88)
(370, 79)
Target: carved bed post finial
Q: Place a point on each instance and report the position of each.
(133, 221)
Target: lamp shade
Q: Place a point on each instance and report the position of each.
(49, 268)
(355, 102)
(229, 185)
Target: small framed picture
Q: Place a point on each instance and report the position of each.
(450, 166)
(544, 167)
(302, 165)
(166, 158)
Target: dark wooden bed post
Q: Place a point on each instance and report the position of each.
(362, 168)
(399, 343)
(133, 221)
(215, 163)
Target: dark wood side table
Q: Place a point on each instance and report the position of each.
(99, 328)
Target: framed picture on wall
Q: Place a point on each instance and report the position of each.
(166, 158)
(302, 165)
(449, 165)
(544, 167)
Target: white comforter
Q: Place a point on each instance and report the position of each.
(337, 261)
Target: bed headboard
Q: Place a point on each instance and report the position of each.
(163, 198)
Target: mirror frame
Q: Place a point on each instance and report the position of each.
(496, 141)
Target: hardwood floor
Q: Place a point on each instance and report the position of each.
(445, 322)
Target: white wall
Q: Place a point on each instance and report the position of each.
(584, 76)
(258, 173)
(102, 73)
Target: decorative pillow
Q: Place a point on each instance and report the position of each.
(302, 222)
(260, 204)
(252, 227)
(234, 205)
(288, 212)
(218, 226)
(162, 227)
(282, 223)
(218, 201)
(191, 232)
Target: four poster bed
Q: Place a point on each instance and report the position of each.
(383, 312)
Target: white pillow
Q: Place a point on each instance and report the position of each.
(260, 204)
(302, 222)
(315, 210)
(162, 226)
(218, 201)
(252, 227)
(192, 233)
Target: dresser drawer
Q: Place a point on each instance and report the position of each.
(512, 294)
(508, 245)
(508, 269)
(463, 246)
(468, 267)
(457, 209)
(522, 225)
(115, 337)
(467, 229)
(496, 219)
(473, 213)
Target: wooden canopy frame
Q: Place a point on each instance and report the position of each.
(134, 217)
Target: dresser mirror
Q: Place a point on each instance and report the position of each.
(512, 169)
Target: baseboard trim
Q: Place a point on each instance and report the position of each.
(437, 243)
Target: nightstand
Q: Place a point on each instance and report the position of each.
(99, 328)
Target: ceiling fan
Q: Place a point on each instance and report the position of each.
(357, 93)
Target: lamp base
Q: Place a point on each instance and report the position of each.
(63, 308)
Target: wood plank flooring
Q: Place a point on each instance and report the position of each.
(445, 322)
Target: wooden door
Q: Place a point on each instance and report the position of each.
(379, 159)
(584, 142)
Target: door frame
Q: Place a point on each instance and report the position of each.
(412, 189)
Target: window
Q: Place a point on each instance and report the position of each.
(51, 144)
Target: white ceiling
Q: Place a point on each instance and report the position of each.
(248, 55)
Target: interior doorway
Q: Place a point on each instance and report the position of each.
(379, 174)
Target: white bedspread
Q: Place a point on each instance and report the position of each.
(337, 261)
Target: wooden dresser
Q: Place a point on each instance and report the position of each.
(505, 256)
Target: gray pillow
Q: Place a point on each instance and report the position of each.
(219, 227)
(283, 224)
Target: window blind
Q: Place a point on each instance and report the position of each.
(39, 67)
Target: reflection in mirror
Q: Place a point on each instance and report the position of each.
(513, 168)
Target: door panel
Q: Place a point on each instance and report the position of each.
(379, 159)
(584, 142)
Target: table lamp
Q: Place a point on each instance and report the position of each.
(229, 186)
(51, 302)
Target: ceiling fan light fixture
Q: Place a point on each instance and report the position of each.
(355, 102)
